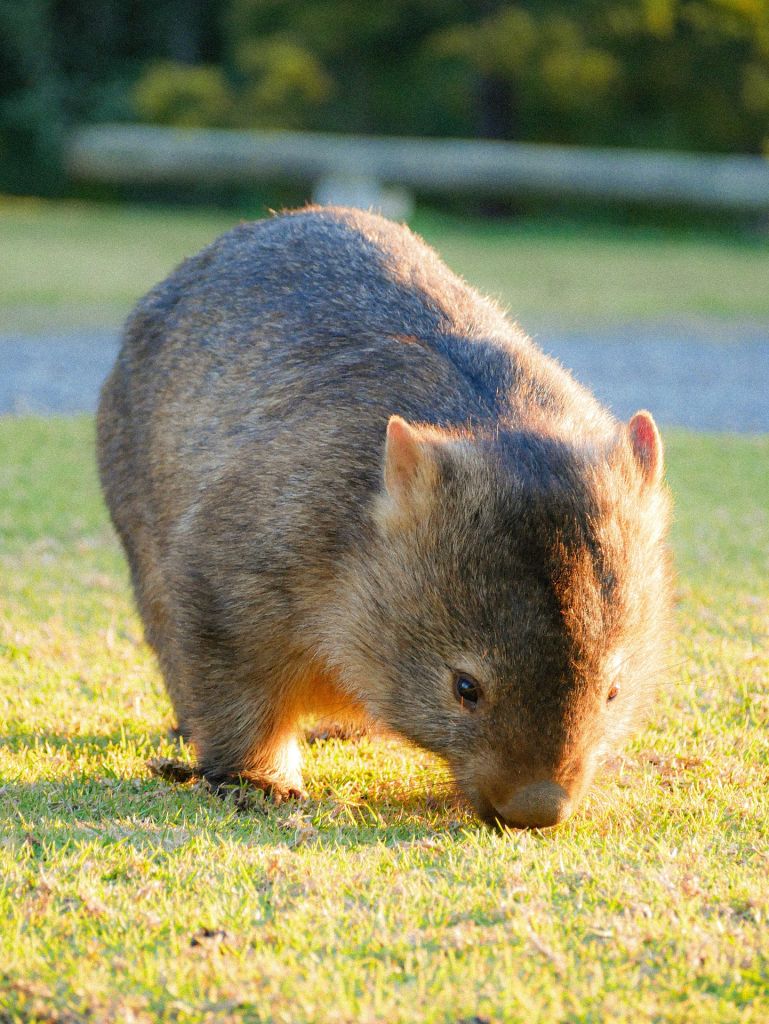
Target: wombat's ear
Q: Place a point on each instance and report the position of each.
(646, 443)
(404, 456)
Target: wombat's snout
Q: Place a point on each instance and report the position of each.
(538, 805)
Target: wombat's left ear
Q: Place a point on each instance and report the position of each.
(405, 458)
(646, 443)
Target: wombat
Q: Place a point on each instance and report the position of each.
(347, 485)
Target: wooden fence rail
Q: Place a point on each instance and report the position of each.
(133, 153)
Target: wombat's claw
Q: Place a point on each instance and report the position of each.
(278, 792)
(240, 788)
(292, 793)
(172, 769)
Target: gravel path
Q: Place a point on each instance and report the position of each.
(706, 376)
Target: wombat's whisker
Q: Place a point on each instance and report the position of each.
(350, 488)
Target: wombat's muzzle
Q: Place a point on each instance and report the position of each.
(538, 805)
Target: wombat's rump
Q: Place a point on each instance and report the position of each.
(347, 485)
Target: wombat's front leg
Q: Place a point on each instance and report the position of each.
(264, 757)
(242, 731)
(234, 691)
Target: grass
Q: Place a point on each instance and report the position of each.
(76, 264)
(125, 899)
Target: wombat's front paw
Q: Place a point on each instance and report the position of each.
(278, 792)
(172, 769)
(237, 787)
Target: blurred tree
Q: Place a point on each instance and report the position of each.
(172, 93)
(687, 64)
(369, 55)
(281, 82)
(667, 73)
(554, 78)
(31, 94)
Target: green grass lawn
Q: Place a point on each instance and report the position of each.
(125, 899)
(71, 264)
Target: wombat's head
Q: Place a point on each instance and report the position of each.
(511, 611)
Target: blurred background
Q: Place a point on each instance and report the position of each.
(600, 167)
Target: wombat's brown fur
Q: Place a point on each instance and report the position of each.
(346, 483)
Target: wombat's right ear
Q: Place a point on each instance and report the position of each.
(646, 443)
(405, 457)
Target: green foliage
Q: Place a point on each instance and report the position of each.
(31, 113)
(370, 56)
(274, 81)
(684, 66)
(546, 63)
(672, 73)
(690, 74)
(280, 79)
(177, 94)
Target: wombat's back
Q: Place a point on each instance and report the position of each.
(310, 330)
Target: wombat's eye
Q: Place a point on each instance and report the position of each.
(466, 690)
(612, 693)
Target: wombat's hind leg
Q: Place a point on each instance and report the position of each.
(321, 732)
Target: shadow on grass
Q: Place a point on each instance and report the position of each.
(20, 738)
(147, 814)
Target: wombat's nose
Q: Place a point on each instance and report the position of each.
(538, 805)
